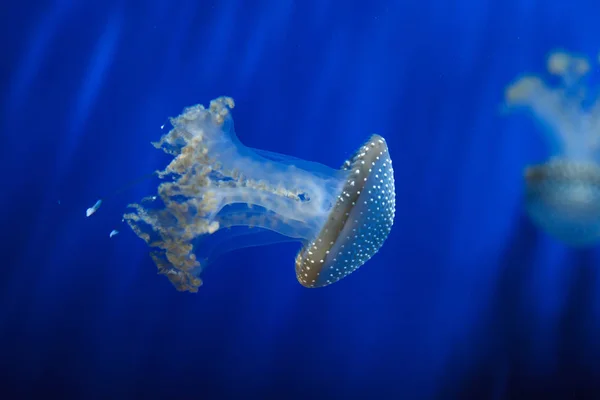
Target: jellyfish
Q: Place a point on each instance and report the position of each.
(562, 194)
(217, 195)
(91, 210)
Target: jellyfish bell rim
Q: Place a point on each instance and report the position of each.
(562, 170)
(319, 264)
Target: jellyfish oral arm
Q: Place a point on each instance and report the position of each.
(572, 127)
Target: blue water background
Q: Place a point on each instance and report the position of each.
(466, 299)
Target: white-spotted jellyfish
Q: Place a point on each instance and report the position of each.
(219, 195)
(562, 195)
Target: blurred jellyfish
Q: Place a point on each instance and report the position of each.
(93, 208)
(562, 195)
(222, 196)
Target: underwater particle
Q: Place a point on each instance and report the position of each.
(113, 233)
(93, 208)
(219, 195)
(562, 195)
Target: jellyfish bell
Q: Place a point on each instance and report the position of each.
(359, 222)
(219, 195)
(562, 194)
(564, 199)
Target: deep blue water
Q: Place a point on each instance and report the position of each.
(466, 300)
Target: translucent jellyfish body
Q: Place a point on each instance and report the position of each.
(563, 194)
(219, 195)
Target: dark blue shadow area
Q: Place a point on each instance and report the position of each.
(466, 300)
